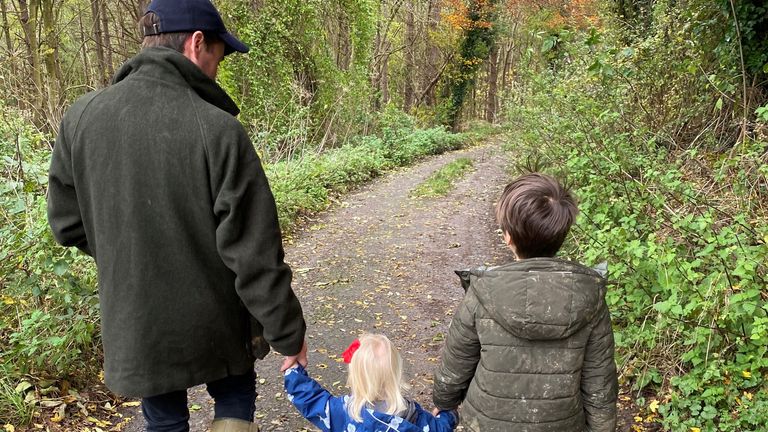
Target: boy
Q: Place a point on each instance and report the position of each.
(530, 347)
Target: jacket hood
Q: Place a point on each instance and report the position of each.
(375, 420)
(170, 65)
(540, 298)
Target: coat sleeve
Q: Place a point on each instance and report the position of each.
(249, 241)
(599, 381)
(309, 397)
(444, 421)
(461, 354)
(63, 207)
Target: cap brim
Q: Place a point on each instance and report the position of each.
(233, 44)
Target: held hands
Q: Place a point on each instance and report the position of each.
(300, 358)
(454, 411)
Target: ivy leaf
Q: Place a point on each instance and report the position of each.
(548, 44)
(719, 104)
(60, 267)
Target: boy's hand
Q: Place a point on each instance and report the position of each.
(300, 358)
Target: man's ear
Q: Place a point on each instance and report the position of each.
(193, 45)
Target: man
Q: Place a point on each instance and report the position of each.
(155, 179)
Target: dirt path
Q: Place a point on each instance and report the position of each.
(380, 261)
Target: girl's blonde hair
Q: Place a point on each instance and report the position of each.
(375, 378)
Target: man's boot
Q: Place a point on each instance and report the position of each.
(233, 425)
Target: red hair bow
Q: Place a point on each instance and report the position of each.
(350, 351)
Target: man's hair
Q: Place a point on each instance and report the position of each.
(375, 377)
(175, 41)
(536, 212)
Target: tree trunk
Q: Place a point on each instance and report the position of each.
(410, 61)
(97, 39)
(376, 69)
(10, 49)
(84, 52)
(493, 77)
(6, 30)
(384, 77)
(506, 65)
(52, 66)
(380, 63)
(28, 18)
(432, 51)
(106, 41)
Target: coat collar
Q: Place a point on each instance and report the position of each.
(170, 65)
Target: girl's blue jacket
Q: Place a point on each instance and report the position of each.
(329, 413)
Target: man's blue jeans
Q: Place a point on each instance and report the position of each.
(234, 397)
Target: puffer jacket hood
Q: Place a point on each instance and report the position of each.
(556, 298)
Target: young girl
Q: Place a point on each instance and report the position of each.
(376, 403)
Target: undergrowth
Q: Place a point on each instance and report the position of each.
(675, 205)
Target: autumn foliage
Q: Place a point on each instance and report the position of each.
(468, 15)
(563, 13)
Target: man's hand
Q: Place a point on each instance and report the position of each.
(300, 358)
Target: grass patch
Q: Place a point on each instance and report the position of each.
(442, 180)
(13, 407)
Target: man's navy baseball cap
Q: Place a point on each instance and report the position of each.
(189, 16)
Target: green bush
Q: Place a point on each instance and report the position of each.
(49, 303)
(679, 213)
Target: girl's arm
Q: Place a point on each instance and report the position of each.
(309, 397)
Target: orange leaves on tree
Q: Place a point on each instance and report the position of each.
(469, 14)
(563, 13)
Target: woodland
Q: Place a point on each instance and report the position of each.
(654, 111)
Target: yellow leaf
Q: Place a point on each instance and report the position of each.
(638, 419)
(654, 405)
(9, 428)
(131, 403)
(748, 395)
(695, 429)
(9, 301)
(746, 374)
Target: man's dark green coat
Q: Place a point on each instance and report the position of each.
(155, 178)
(531, 349)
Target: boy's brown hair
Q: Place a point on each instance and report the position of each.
(537, 212)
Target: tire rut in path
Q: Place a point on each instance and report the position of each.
(381, 262)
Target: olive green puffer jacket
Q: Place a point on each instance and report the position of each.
(531, 349)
